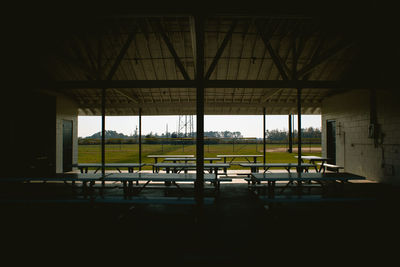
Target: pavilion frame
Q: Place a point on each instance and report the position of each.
(201, 82)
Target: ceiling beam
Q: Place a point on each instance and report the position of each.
(172, 50)
(132, 98)
(275, 57)
(324, 57)
(221, 49)
(115, 84)
(193, 41)
(121, 54)
(207, 105)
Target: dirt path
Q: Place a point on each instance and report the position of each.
(304, 149)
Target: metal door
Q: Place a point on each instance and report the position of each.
(67, 145)
(331, 141)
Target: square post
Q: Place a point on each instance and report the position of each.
(299, 127)
(290, 134)
(103, 130)
(140, 139)
(199, 57)
(264, 137)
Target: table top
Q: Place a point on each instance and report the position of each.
(312, 157)
(305, 176)
(283, 165)
(239, 156)
(61, 177)
(184, 165)
(188, 159)
(88, 177)
(170, 156)
(110, 164)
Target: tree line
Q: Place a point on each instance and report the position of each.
(309, 135)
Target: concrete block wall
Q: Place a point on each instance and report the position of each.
(376, 159)
(67, 109)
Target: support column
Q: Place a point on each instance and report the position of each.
(264, 138)
(140, 139)
(103, 130)
(199, 50)
(290, 134)
(299, 125)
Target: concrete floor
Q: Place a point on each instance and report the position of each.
(239, 228)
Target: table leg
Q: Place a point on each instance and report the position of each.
(125, 188)
(225, 167)
(322, 166)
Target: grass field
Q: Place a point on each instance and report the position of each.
(130, 152)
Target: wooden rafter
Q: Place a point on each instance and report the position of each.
(132, 97)
(121, 55)
(275, 57)
(212, 84)
(221, 49)
(324, 57)
(171, 49)
(193, 39)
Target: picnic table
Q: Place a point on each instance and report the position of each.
(254, 157)
(83, 167)
(176, 179)
(178, 167)
(190, 159)
(88, 181)
(254, 167)
(156, 157)
(313, 160)
(301, 179)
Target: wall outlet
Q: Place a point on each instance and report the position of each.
(388, 170)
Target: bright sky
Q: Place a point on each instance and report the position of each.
(249, 126)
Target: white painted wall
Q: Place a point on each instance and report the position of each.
(354, 149)
(67, 109)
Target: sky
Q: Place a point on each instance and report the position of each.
(248, 125)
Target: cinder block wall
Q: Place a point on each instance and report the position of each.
(355, 150)
(67, 109)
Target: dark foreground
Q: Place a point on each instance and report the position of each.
(238, 230)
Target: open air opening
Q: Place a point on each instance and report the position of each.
(204, 101)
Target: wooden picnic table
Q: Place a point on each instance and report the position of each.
(254, 157)
(190, 159)
(178, 167)
(156, 157)
(254, 167)
(167, 178)
(313, 160)
(83, 167)
(299, 178)
(88, 181)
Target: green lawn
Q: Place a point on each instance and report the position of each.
(130, 152)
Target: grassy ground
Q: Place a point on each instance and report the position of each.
(130, 153)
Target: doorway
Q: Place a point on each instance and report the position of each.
(331, 141)
(67, 145)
